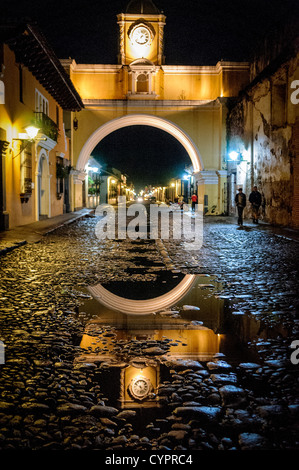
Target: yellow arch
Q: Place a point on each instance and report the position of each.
(144, 120)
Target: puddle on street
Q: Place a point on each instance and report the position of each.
(137, 345)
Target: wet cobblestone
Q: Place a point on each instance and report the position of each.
(48, 400)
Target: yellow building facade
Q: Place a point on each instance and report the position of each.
(35, 93)
(187, 102)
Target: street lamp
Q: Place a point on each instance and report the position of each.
(233, 156)
(32, 132)
(29, 135)
(238, 157)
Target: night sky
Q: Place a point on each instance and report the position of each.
(197, 32)
(146, 154)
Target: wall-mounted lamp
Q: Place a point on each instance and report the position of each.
(75, 123)
(239, 157)
(234, 156)
(30, 134)
(28, 137)
(93, 169)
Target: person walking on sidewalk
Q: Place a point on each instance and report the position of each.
(255, 198)
(240, 201)
(194, 201)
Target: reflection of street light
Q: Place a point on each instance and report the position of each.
(113, 181)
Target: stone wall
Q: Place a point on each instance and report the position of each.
(262, 121)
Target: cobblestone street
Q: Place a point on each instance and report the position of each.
(51, 398)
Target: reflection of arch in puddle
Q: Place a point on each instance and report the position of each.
(142, 307)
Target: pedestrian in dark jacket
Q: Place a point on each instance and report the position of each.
(255, 199)
(240, 201)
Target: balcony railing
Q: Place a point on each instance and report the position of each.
(46, 125)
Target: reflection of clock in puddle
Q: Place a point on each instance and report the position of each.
(140, 387)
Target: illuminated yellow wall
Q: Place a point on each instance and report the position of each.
(191, 97)
(203, 124)
(14, 117)
(100, 82)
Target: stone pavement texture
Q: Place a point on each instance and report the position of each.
(32, 233)
(50, 400)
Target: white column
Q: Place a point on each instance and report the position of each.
(149, 82)
(133, 82)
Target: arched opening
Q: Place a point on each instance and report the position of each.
(145, 120)
(141, 147)
(43, 187)
(142, 83)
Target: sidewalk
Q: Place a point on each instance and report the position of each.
(32, 233)
(279, 231)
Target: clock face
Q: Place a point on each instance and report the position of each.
(141, 35)
(140, 387)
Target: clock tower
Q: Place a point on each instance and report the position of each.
(141, 30)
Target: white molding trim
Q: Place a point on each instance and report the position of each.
(47, 143)
(168, 69)
(78, 176)
(94, 102)
(95, 68)
(143, 120)
(208, 177)
(222, 173)
(205, 69)
(42, 153)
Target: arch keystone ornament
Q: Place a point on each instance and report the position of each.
(141, 120)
